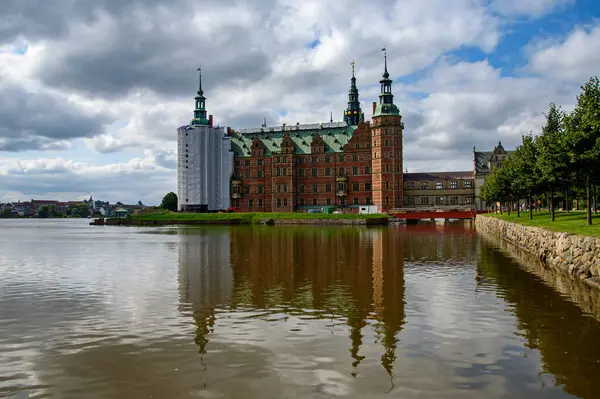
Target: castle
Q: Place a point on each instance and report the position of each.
(350, 165)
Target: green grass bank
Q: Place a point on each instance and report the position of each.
(565, 222)
(166, 217)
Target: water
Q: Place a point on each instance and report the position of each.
(267, 312)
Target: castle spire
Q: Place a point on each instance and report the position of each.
(200, 109)
(353, 114)
(386, 98)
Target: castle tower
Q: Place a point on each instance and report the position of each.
(204, 162)
(353, 114)
(386, 147)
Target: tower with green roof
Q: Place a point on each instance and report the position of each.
(200, 110)
(386, 147)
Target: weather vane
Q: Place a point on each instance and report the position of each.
(352, 63)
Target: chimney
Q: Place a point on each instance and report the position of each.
(374, 106)
(228, 131)
(210, 120)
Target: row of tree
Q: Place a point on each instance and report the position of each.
(562, 162)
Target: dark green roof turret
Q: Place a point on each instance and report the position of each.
(386, 104)
(353, 114)
(200, 110)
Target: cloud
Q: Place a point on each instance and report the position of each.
(145, 178)
(120, 77)
(575, 59)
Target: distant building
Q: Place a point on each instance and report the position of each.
(439, 189)
(204, 164)
(484, 162)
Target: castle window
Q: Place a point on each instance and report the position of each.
(247, 189)
(301, 172)
(328, 188)
(315, 159)
(355, 187)
(387, 167)
(387, 200)
(354, 157)
(315, 188)
(301, 201)
(261, 189)
(247, 162)
(277, 172)
(439, 200)
(453, 184)
(357, 146)
(368, 200)
(300, 160)
(327, 171)
(314, 172)
(327, 159)
(439, 185)
(236, 174)
(259, 173)
(285, 202)
(367, 170)
(314, 201)
(259, 162)
(368, 186)
(355, 200)
(285, 188)
(342, 171)
(424, 185)
(454, 200)
(328, 201)
(284, 171)
(301, 188)
(278, 202)
(468, 184)
(387, 185)
(250, 203)
(260, 203)
(247, 173)
(342, 201)
(424, 200)
(410, 185)
(341, 158)
(355, 170)
(237, 203)
(397, 200)
(468, 200)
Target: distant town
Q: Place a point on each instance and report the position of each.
(74, 209)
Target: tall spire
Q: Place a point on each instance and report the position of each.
(353, 114)
(385, 74)
(200, 109)
(200, 81)
(386, 98)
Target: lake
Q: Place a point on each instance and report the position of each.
(425, 311)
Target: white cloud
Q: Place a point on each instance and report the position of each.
(575, 59)
(130, 66)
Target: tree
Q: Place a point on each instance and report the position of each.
(583, 132)
(526, 174)
(552, 155)
(169, 202)
(43, 211)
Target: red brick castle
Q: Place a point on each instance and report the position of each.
(348, 164)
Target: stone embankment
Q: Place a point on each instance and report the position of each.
(571, 254)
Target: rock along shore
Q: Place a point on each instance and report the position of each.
(570, 254)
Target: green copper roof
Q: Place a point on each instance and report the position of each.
(334, 134)
(386, 109)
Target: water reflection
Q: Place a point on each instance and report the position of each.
(344, 276)
(566, 338)
(417, 311)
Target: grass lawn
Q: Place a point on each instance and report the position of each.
(252, 216)
(568, 222)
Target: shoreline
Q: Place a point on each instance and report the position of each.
(243, 219)
(563, 254)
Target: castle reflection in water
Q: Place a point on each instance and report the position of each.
(352, 274)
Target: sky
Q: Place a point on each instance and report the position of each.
(92, 91)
